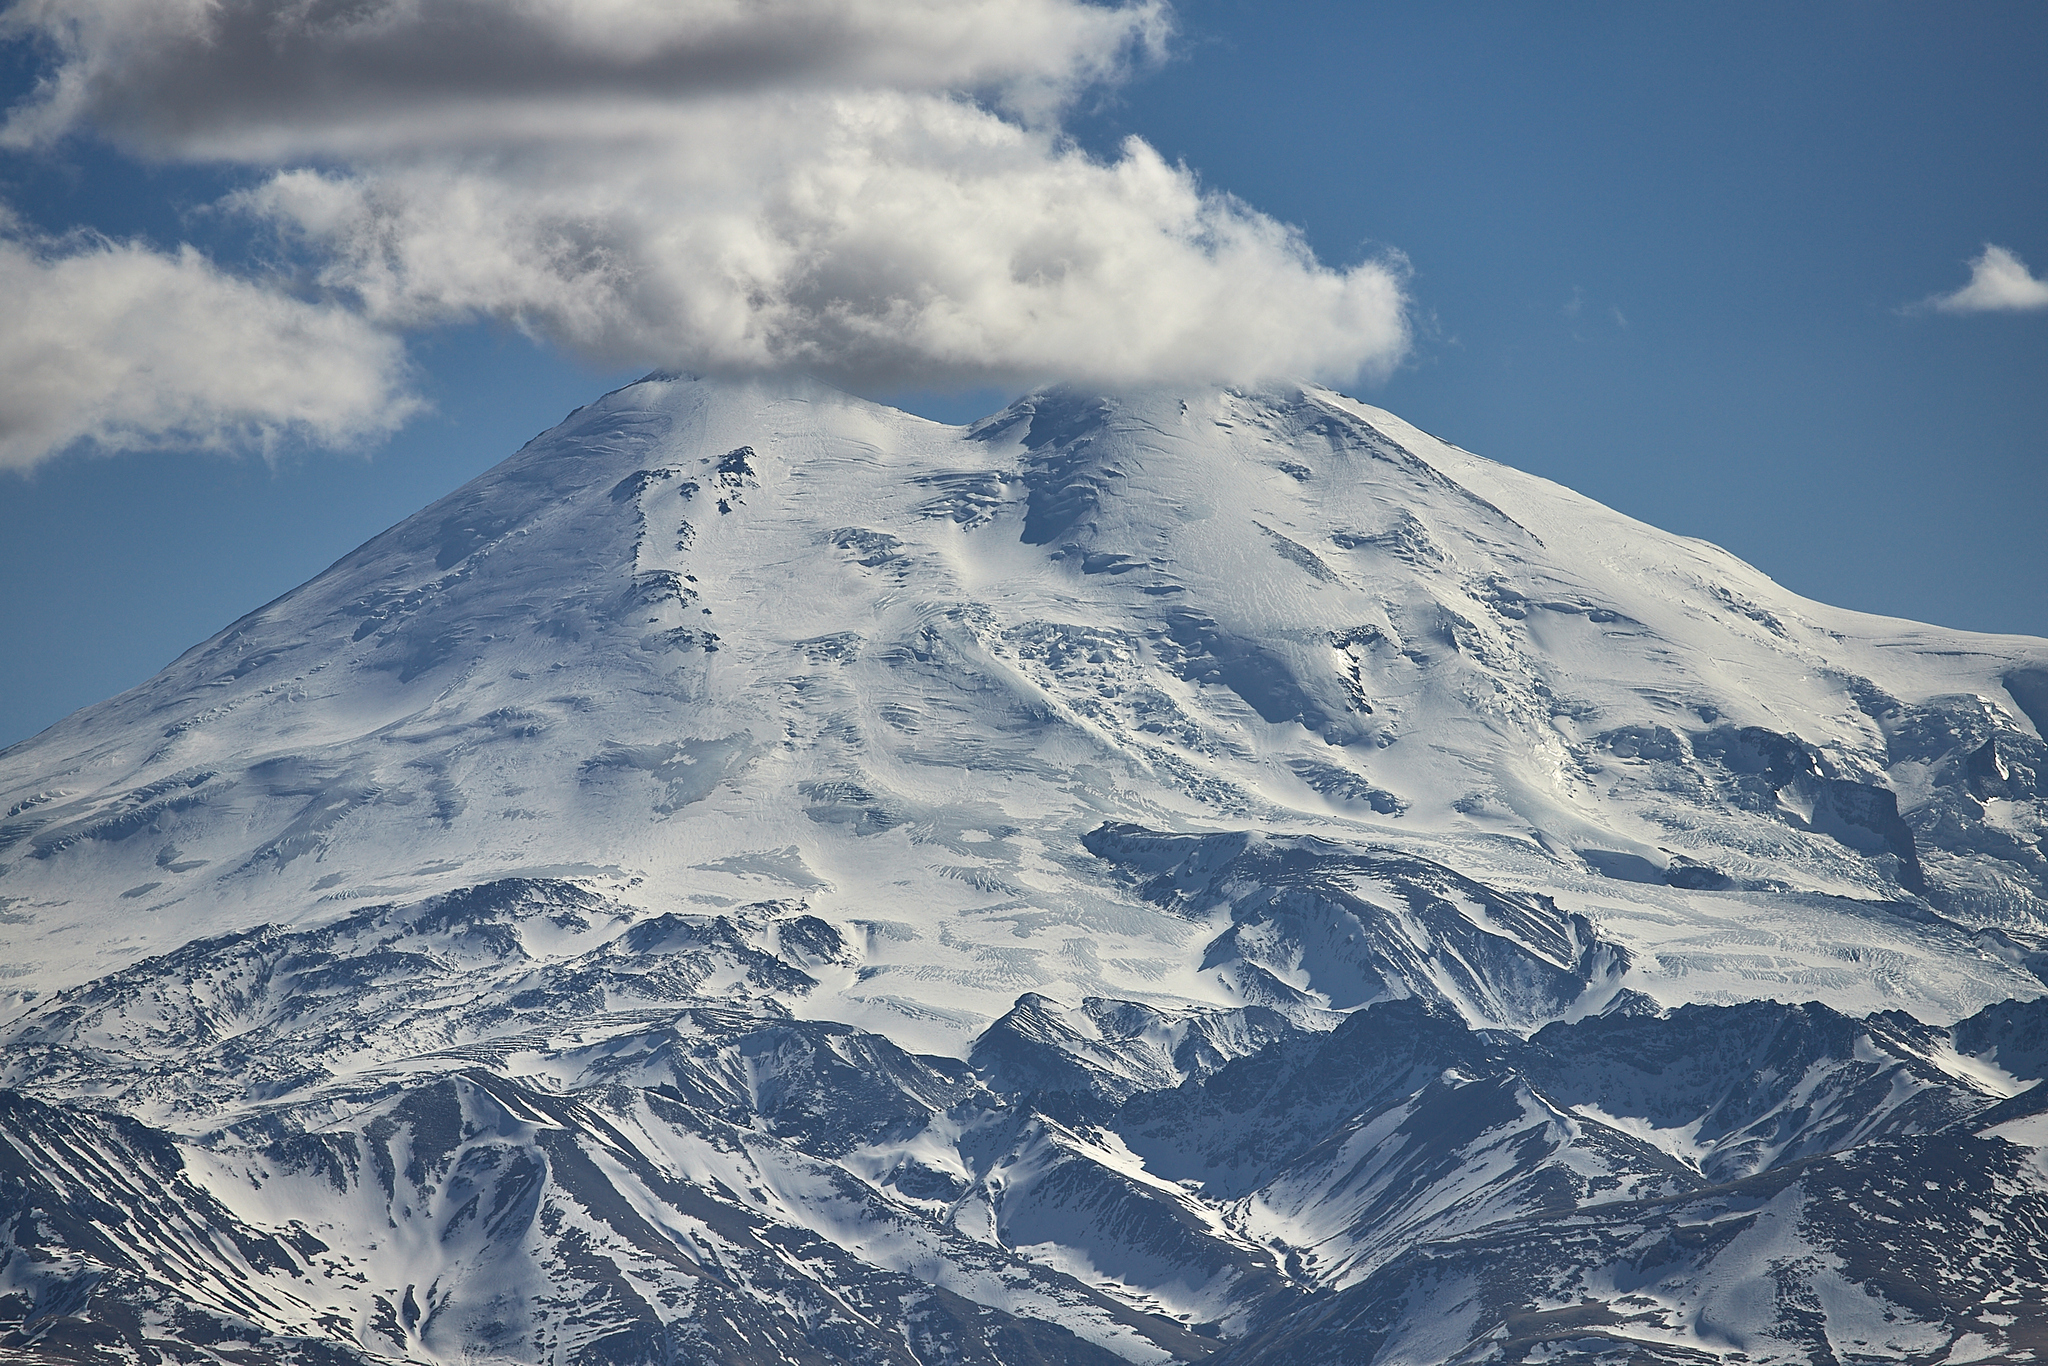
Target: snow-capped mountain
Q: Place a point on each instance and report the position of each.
(758, 876)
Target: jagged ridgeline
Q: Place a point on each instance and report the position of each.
(1187, 875)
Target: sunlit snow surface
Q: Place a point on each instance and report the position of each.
(1080, 752)
(939, 656)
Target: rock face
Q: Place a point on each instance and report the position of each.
(758, 877)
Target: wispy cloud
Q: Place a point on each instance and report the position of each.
(125, 348)
(1999, 283)
(876, 191)
(1574, 308)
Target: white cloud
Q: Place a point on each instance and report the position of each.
(1999, 283)
(125, 348)
(273, 79)
(874, 238)
(875, 191)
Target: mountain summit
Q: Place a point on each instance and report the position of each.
(758, 876)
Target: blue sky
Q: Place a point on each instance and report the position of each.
(1678, 258)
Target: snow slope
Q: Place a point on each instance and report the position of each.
(1118, 872)
(898, 669)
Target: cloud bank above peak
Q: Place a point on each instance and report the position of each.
(262, 80)
(877, 192)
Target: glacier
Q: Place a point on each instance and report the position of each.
(1171, 875)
